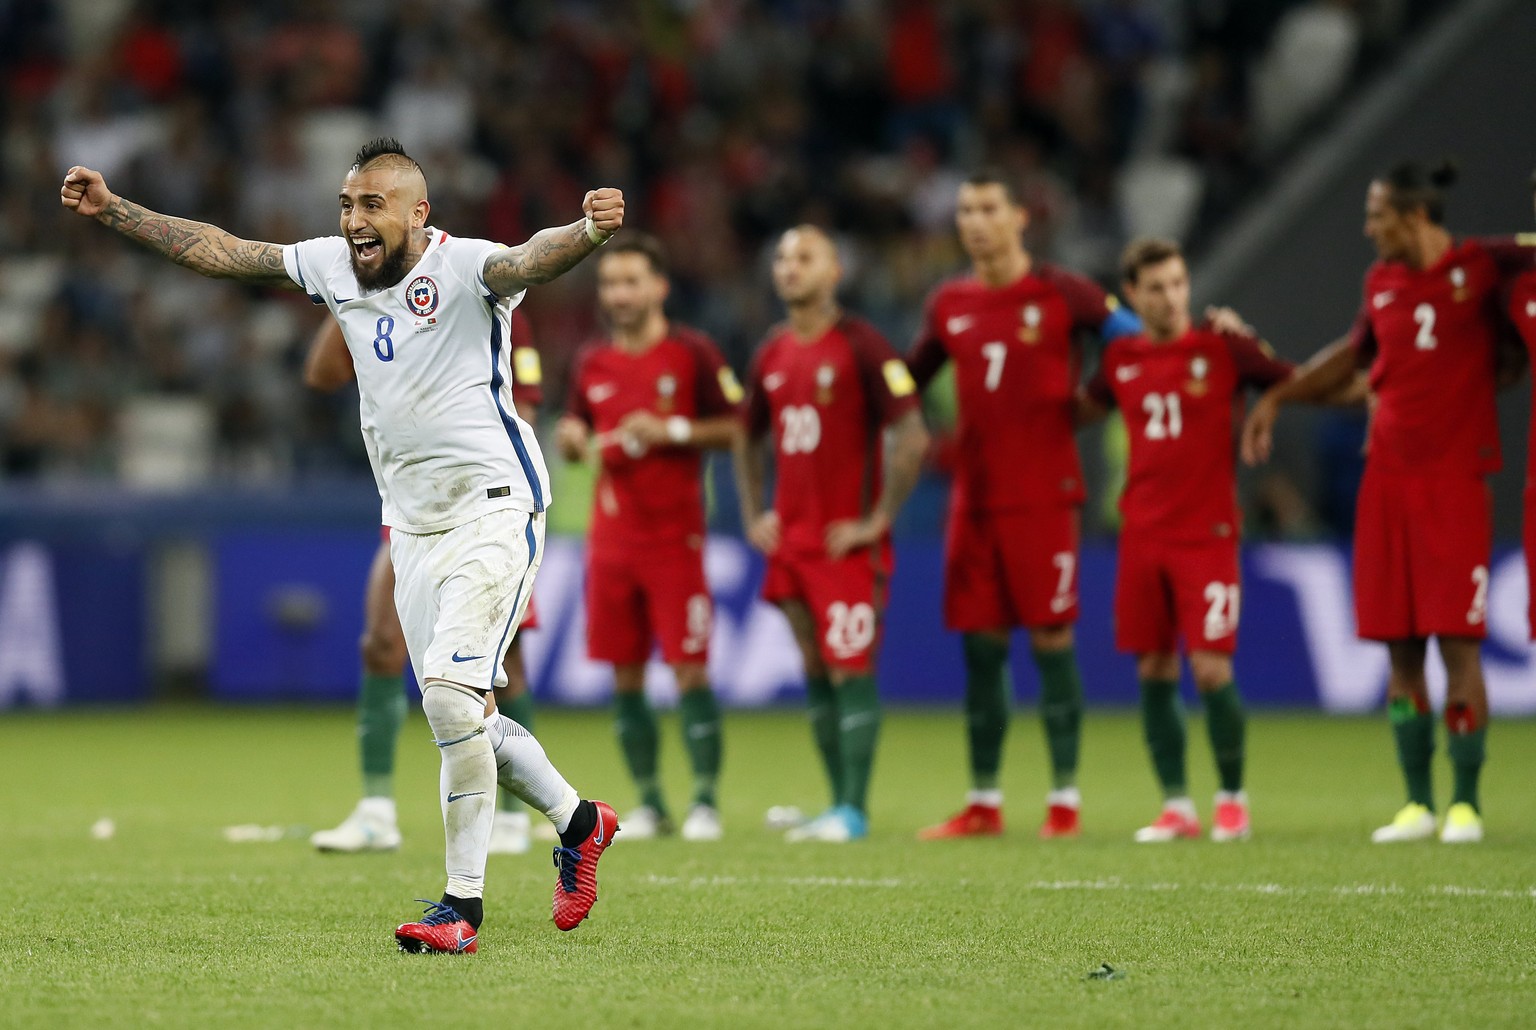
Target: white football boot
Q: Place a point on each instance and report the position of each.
(1412, 822)
(511, 833)
(370, 827)
(703, 823)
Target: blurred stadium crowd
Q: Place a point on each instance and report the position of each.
(723, 120)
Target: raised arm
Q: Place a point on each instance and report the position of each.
(206, 249)
(550, 253)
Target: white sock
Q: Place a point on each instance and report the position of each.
(467, 785)
(1069, 797)
(523, 768)
(992, 798)
(1182, 805)
(380, 808)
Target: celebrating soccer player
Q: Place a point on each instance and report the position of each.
(372, 825)
(1177, 384)
(1429, 330)
(657, 395)
(1011, 556)
(829, 387)
(426, 318)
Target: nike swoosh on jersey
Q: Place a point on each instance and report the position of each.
(601, 392)
(1382, 299)
(339, 301)
(773, 380)
(1530, 309)
(959, 324)
(1125, 373)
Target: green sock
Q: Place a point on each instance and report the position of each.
(988, 689)
(1061, 711)
(1226, 723)
(380, 714)
(700, 713)
(1466, 742)
(821, 700)
(520, 710)
(858, 726)
(1162, 721)
(636, 726)
(1415, 734)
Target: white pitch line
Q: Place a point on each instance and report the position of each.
(1109, 884)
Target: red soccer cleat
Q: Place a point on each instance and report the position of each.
(1174, 823)
(576, 886)
(1060, 821)
(1231, 820)
(975, 821)
(442, 931)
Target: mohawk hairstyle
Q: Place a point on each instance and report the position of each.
(385, 150)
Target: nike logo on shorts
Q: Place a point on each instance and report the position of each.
(467, 657)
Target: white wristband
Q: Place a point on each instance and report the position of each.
(679, 429)
(595, 234)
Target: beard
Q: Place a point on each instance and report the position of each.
(389, 271)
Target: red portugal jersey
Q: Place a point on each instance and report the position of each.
(1430, 339)
(1180, 400)
(1017, 371)
(826, 401)
(651, 499)
(1522, 312)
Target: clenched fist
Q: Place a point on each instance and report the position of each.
(604, 209)
(85, 192)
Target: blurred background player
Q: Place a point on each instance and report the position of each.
(1010, 327)
(1179, 386)
(1429, 329)
(1522, 312)
(657, 395)
(461, 478)
(381, 702)
(829, 387)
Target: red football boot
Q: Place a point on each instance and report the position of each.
(1060, 821)
(576, 885)
(442, 931)
(975, 821)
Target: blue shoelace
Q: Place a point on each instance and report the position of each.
(565, 861)
(438, 913)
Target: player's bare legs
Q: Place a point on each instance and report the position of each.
(1413, 727)
(699, 713)
(381, 708)
(1061, 716)
(1466, 726)
(1227, 726)
(640, 741)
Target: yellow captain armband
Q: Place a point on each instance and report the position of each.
(526, 367)
(1526, 239)
(730, 386)
(898, 379)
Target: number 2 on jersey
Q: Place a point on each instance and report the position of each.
(383, 346)
(1424, 314)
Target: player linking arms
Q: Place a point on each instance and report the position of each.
(381, 701)
(1429, 330)
(463, 485)
(658, 395)
(830, 389)
(1177, 576)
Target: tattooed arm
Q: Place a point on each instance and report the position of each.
(551, 253)
(204, 248)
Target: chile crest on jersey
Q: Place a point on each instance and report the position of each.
(421, 296)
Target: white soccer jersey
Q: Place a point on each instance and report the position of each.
(434, 382)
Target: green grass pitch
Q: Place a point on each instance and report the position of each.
(167, 924)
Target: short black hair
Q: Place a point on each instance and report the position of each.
(992, 175)
(383, 147)
(644, 244)
(1413, 184)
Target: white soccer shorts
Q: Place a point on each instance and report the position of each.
(461, 594)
